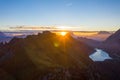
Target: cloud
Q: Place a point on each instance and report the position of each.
(69, 4)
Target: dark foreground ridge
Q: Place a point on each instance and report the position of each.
(48, 56)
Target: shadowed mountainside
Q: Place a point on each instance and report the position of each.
(112, 44)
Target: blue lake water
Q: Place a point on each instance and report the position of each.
(99, 55)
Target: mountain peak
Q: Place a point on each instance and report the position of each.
(115, 36)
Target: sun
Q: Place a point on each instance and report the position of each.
(63, 33)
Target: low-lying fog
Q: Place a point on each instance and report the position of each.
(99, 36)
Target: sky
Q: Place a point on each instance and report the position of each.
(83, 14)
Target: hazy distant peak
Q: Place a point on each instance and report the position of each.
(103, 32)
(2, 34)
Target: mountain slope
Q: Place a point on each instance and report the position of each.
(112, 44)
(115, 37)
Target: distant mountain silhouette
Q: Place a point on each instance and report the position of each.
(2, 34)
(4, 38)
(104, 32)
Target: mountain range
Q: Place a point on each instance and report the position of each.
(44, 54)
(48, 56)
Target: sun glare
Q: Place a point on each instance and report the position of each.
(63, 33)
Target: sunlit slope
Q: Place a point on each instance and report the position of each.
(50, 50)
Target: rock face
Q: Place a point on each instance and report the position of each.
(45, 56)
